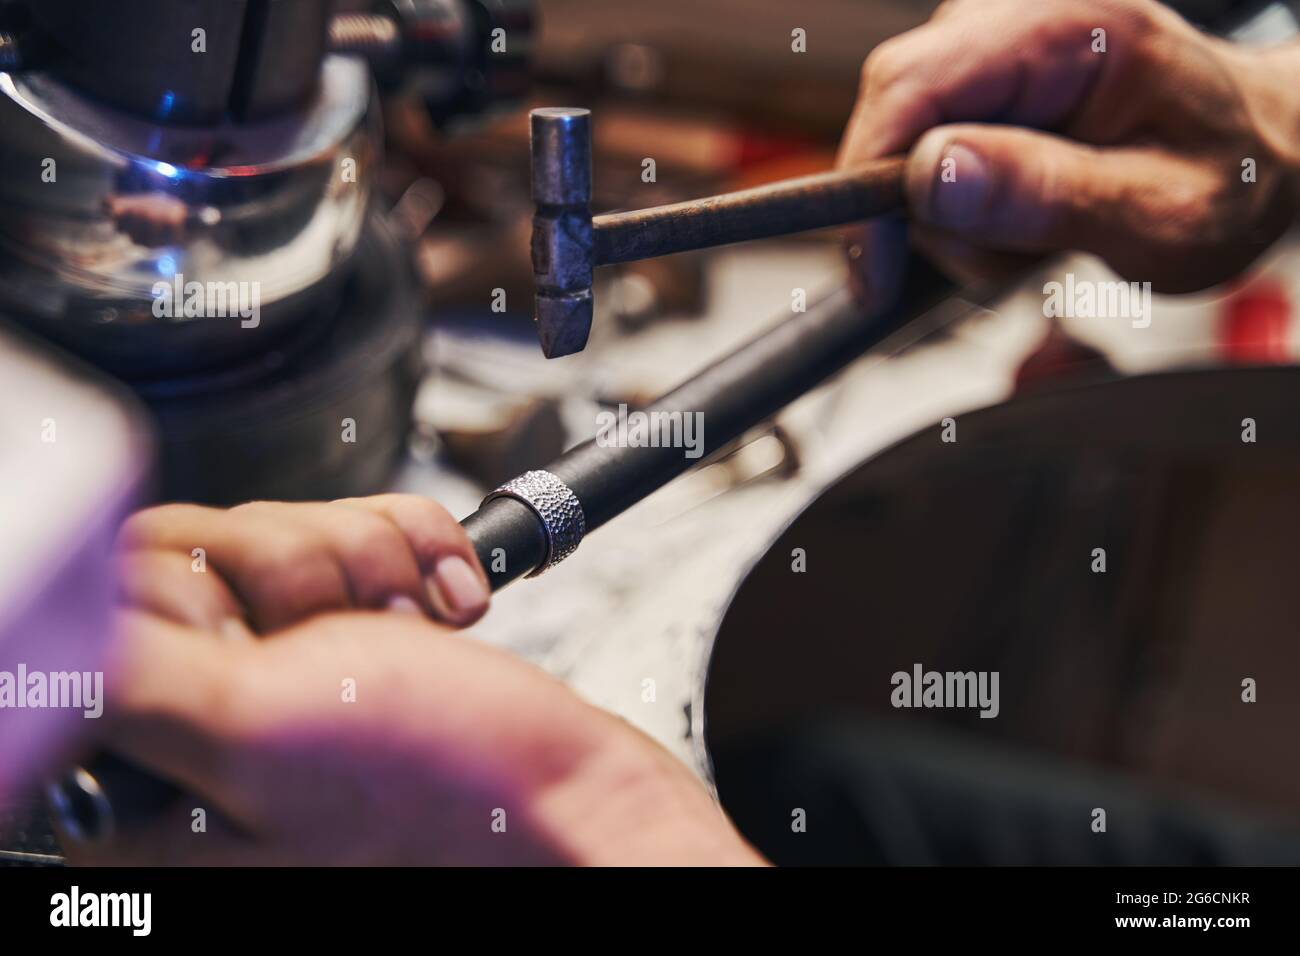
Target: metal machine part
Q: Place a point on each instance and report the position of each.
(163, 61)
(157, 241)
(269, 427)
(462, 58)
(104, 211)
(568, 243)
(204, 62)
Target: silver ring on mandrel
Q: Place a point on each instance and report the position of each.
(555, 505)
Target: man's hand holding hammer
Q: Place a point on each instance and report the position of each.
(1110, 127)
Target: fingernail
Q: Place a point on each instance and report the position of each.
(959, 192)
(456, 588)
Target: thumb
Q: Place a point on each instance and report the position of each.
(1026, 191)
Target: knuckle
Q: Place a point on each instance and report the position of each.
(429, 528)
(294, 562)
(368, 536)
(287, 549)
(884, 65)
(296, 590)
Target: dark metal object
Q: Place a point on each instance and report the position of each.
(109, 794)
(499, 74)
(280, 54)
(461, 57)
(258, 59)
(568, 243)
(141, 58)
(562, 243)
(12, 54)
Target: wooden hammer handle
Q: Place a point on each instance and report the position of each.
(777, 209)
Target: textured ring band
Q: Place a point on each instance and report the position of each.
(555, 505)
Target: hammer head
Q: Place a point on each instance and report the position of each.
(562, 231)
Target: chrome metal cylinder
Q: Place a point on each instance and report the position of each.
(561, 156)
(128, 241)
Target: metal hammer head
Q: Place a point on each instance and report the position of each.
(562, 231)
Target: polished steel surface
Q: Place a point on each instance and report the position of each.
(562, 232)
(102, 209)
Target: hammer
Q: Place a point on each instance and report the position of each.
(568, 242)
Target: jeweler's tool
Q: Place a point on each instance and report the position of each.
(569, 243)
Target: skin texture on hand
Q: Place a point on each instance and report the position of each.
(1135, 154)
(288, 560)
(353, 736)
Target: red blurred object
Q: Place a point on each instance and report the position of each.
(1255, 326)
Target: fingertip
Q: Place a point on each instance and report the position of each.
(458, 590)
